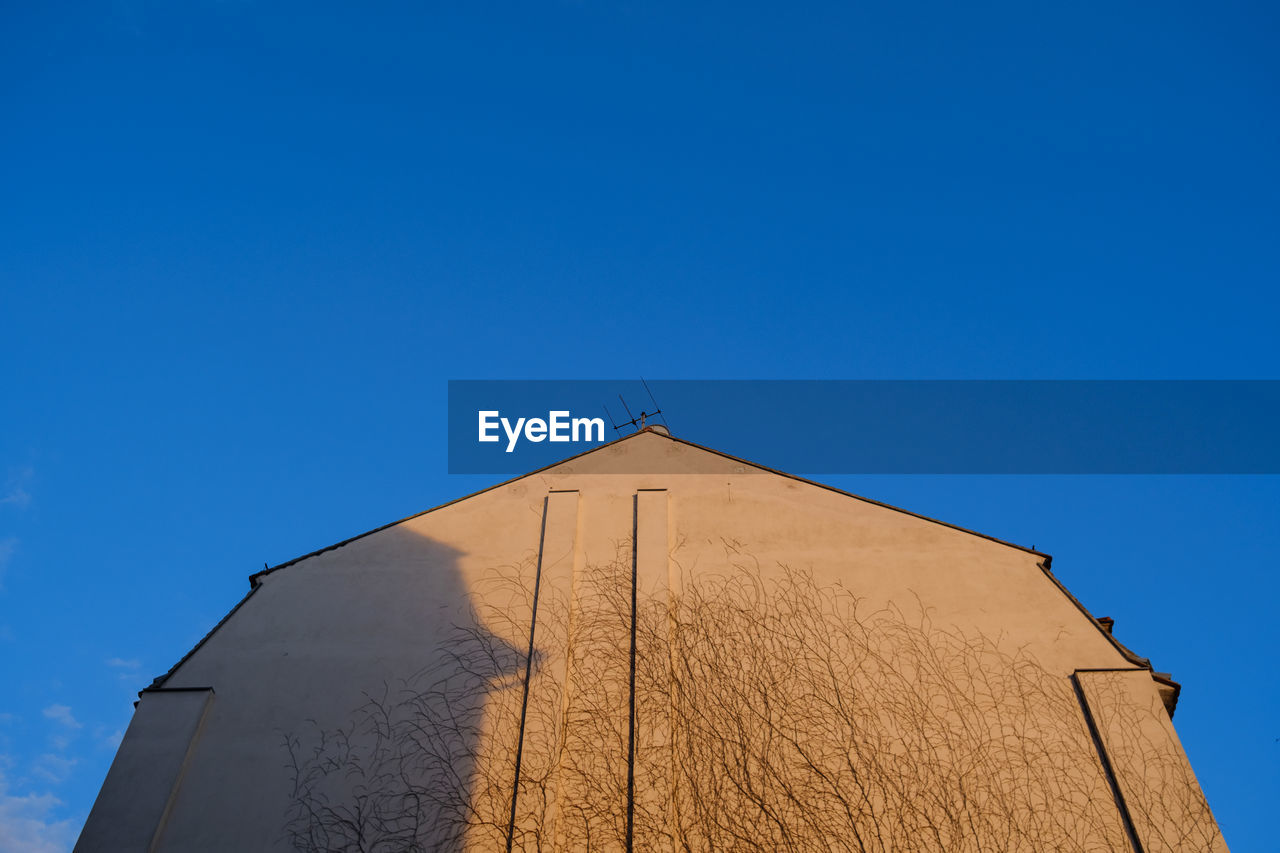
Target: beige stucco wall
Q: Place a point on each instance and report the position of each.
(322, 637)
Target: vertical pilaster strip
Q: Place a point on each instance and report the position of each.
(552, 576)
(650, 581)
(1125, 818)
(675, 590)
(631, 688)
(528, 671)
(561, 563)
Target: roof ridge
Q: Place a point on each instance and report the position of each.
(652, 431)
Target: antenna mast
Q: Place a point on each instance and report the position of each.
(637, 421)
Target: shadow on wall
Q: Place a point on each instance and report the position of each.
(406, 771)
(428, 760)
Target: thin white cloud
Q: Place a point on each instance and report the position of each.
(128, 668)
(107, 738)
(28, 824)
(15, 490)
(53, 768)
(62, 714)
(121, 663)
(14, 494)
(7, 546)
(17, 496)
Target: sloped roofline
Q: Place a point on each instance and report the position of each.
(255, 579)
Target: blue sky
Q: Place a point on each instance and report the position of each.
(245, 245)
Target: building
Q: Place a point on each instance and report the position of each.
(707, 654)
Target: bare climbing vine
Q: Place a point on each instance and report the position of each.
(773, 714)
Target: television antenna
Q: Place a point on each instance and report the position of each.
(637, 421)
